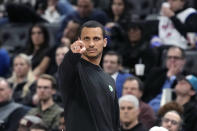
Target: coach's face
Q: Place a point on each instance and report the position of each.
(94, 42)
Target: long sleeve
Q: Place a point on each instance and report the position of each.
(189, 25)
(67, 73)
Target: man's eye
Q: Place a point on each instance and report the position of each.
(86, 38)
(96, 38)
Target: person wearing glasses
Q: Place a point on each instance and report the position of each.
(172, 121)
(47, 109)
(162, 78)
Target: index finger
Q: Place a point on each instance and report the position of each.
(80, 43)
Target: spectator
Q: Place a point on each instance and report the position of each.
(47, 109)
(22, 78)
(59, 55)
(176, 21)
(185, 91)
(161, 78)
(56, 55)
(134, 86)
(129, 111)
(10, 112)
(173, 105)
(51, 13)
(137, 49)
(70, 32)
(172, 121)
(37, 48)
(63, 7)
(169, 112)
(112, 63)
(119, 13)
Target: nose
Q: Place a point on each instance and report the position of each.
(91, 44)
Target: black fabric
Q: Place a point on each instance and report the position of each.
(141, 50)
(20, 13)
(190, 116)
(38, 56)
(189, 25)
(88, 102)
(138, 127)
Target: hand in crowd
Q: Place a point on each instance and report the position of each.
(166, 11)
(173, 70)
(78, 47)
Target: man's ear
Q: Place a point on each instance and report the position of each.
(105, 42)
(79, 38)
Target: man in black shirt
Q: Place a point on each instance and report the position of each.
(129, 112)
(89, 96)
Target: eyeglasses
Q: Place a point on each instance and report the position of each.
(173, 122)
(174, 57)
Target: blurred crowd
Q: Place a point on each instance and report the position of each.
(151, 55)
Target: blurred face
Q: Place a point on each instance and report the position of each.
(94, 43)
(71, 30)
(128, 113)
(118, 7)
(37, 36)
(176, 5)
(110, 64)
(175, 60)
(184, 88)
(21, 67)
(171, 121)
(131, 88)
(44, 89)
(134, 34)
(84, 7)
(60, 52)
(5, 92)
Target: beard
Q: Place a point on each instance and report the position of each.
(92, 57)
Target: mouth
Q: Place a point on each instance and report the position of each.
(91, 50)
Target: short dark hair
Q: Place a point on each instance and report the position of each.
(92, 24)
(49, 77)
(140, 83)
(116, 54)
(176, 47)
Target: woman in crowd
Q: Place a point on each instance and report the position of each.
(22, 78)
(38, 48)
(119, 13)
